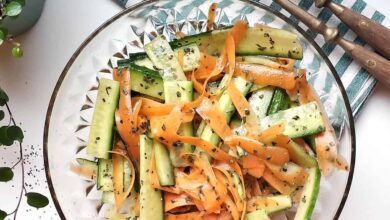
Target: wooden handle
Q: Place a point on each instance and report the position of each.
(374, 63)
(376, 35)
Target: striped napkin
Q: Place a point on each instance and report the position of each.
(357, 81)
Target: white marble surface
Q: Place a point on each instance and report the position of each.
(66, 23)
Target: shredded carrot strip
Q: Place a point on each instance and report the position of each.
(286, 64)
(244, 109)
(180, 34)
(231, 206)
(295, 175)
(152, 108)
(226, 169)
(326, 142)
(239, 31)
(117, 180)
(173, 201)
(180, 57)
(120, 193)
(83, 171)
(251, 161)
(186, 216)
(275, 155)
(267, 136)
(206, 64)
(263, 75)
(126, 117)
(256, 172)
(211, 16)
(279, 185)
(209, 111)
(196, 185)
(285, 142)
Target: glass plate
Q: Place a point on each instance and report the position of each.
(71, 106)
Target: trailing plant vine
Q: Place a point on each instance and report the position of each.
(10, 8)
(9, 135)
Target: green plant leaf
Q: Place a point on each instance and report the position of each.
(2, 214)
(15, 133)
(4, 140)
(36, 200)
(6, 174)
(21, 2)
(2, 115)
(17, 52)
(3, 97)
(13, 9)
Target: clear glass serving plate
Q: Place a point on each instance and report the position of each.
(71, 106)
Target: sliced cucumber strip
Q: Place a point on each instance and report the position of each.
(298, 121)
(151, 200)
(309, 195)
(101, 133)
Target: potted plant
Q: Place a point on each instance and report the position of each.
(16, 17)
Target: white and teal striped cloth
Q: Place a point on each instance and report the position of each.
(358, 83)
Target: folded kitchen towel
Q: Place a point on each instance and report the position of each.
(357, 81)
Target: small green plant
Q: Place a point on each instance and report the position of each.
(10, 8)
(11, 133)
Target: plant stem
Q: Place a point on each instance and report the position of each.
(15, 212)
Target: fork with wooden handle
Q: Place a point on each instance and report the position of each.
(374, 63)
(376, 35)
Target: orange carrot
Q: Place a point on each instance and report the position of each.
(267, 136)
(226, 170)
(263, 75)
(232, 208)
(256, 172)
(186, 216)
(251, 161)
(209, 111)
(120, 193)
(206, 64)
(180, 57)
(173, 201)
(244, 109)
(292, 174)
(211, 16)
(275, 155)
(151, 108)
(279, 185)
(83, 171)
(286, 64)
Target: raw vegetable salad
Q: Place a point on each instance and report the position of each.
(218, 125)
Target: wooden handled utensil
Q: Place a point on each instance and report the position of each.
(374, 63)
(376, 35)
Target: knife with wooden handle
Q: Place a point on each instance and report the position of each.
(374, 63)
(376, 35)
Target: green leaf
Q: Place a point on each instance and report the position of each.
(21, 2)
(17, 52)
(6, 174)
(13, 9)
(15, 133)
(37, 200)
(2, 214)
(2, 115)
(4, 140)
(3, 97)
